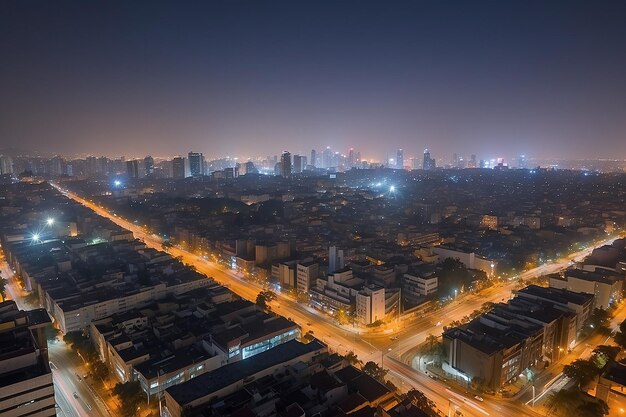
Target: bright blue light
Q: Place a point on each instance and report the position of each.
(392, 189)
(35, 237)
(117, 183)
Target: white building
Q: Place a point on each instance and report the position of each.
(336, 260)
(370, 304)
(417, 286)
(307, 273)
(25, 379)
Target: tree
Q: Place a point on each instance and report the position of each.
(131, 396)
(420, 400)
(596, 408)
(600, 321)
(100, 370)
(561, 403)
(479, 384)
(620, 336)
(575, 403)
(432, 348)
(352, 358)
(263, 299)
(582, 372)
(81, 344)
(3, 288)
(603, 354)
(375, 371)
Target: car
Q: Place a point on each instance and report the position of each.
(309, 324)
(393, 338)
(78, 377)
(75, 395)
(479, 398)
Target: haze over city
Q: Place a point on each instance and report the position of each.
(312, 208)
(249, 79)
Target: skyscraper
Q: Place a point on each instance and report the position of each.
(196, 164)
(313, 157)
(148, 165)
(297, 164)
(6, 164)
(429, 163)
(336, 260)
(472, 163)
(400, 159)
(132, 169)
(327, 158)
(285, 161)
(351, 160)
(178, 168)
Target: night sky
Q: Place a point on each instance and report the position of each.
(494, 78)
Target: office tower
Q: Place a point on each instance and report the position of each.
(132, 169)
(351, 160)
(415, 163)
(327, 158)
(313, 157)
(472, 162)
(148, 165)
(196, 164)
(455, 160)
(335, 259)
(285, 164)
(522, 163)
(297, 164)
(6, 164)
(400, 159)
(178, 168)
(26, 387)
(429, 163)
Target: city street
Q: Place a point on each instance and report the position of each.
(370, 347)
(65, 366)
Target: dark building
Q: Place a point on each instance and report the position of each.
(196, 164)
(285, 164)
(132, 168)
(429, 163)
(178, 167)
(148, 165)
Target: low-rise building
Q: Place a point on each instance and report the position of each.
(26, 387)
(604, 285)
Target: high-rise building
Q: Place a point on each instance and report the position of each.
(148, 165)
(429, 163)
(6, 165)
(522, 162)
(297, 164)
(336, 260)
(351, 160)
(472, 162)
(415, 163)
(400, 159)
(132, 169)
(327, 158)
(313, 157)
(178, 168)
(26, 388)
(285, 164)
(196, 164)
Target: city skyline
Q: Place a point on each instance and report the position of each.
(231, 78)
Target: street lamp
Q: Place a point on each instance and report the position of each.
(35, 237)
(50, 221)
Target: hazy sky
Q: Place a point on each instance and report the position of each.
(253, 78)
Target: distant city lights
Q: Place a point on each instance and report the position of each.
(50, 221)
(117, 183)
(35, 237)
